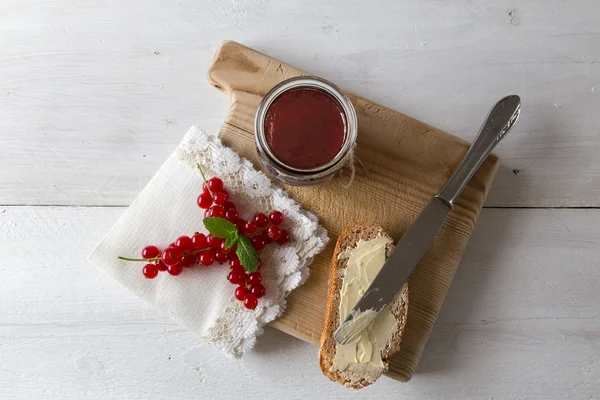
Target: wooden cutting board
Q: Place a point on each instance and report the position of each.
(403, 163)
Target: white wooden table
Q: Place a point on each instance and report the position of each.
(95, 94)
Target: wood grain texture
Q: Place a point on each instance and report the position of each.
(520, 321)
(84, 80)
(405, 162)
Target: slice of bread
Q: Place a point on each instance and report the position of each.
(399, 308)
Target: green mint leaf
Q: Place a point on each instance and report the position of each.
(231, 240)
(247, 254)
(220, 227)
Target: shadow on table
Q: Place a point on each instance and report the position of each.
(477, 273)
(273, 342)
(475, 276)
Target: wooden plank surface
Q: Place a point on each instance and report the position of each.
(100, 77)
(521, 321)
(94, 95)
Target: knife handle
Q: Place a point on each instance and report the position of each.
(499, 121)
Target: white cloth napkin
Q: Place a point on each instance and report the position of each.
(201, 299)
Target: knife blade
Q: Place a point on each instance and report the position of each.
(419, 237)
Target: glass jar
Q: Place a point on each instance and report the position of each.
(305, 129)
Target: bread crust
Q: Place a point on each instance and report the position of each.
(399, 306)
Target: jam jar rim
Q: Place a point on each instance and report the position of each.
(308, 82)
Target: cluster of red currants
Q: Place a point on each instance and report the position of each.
(200, 249)
(249, 288)
(215, 200)
(205, 250)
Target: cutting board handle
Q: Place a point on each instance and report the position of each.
(236, 67)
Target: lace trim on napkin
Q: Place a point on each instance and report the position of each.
(284, 267)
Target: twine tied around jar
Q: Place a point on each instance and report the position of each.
(352, 157)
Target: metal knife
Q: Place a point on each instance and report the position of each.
(419, 237)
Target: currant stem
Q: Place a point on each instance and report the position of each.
(189, 253)
(204, 178)
(138, 259)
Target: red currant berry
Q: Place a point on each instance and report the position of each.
(150, 271)
(258, 290)
(231, 215)
(171, 256)
(266, 237)
(274, 232)
(239, 269)
(150, 252)
(254, 277)
(250, 301)
(261, 220)
(236, 264)
(188, 260)
(284, 238)
(205, 200)
(160, 265)
(230, 250)
(175, 269)
(220, 198)
(229, 205)
(236, 277)
(276, 217)
(199, 241)
(250, 227)
(240, 293)
(216, 212)
(215, 185)
(207, 258)
(241, 225)
(221, 257)
(258, 242)
(214, 242)
(184, 244)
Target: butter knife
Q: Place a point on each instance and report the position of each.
(419, 237)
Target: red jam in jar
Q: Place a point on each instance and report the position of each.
(305, 128)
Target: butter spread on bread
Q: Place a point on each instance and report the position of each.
(363, 264)
(360, 252)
